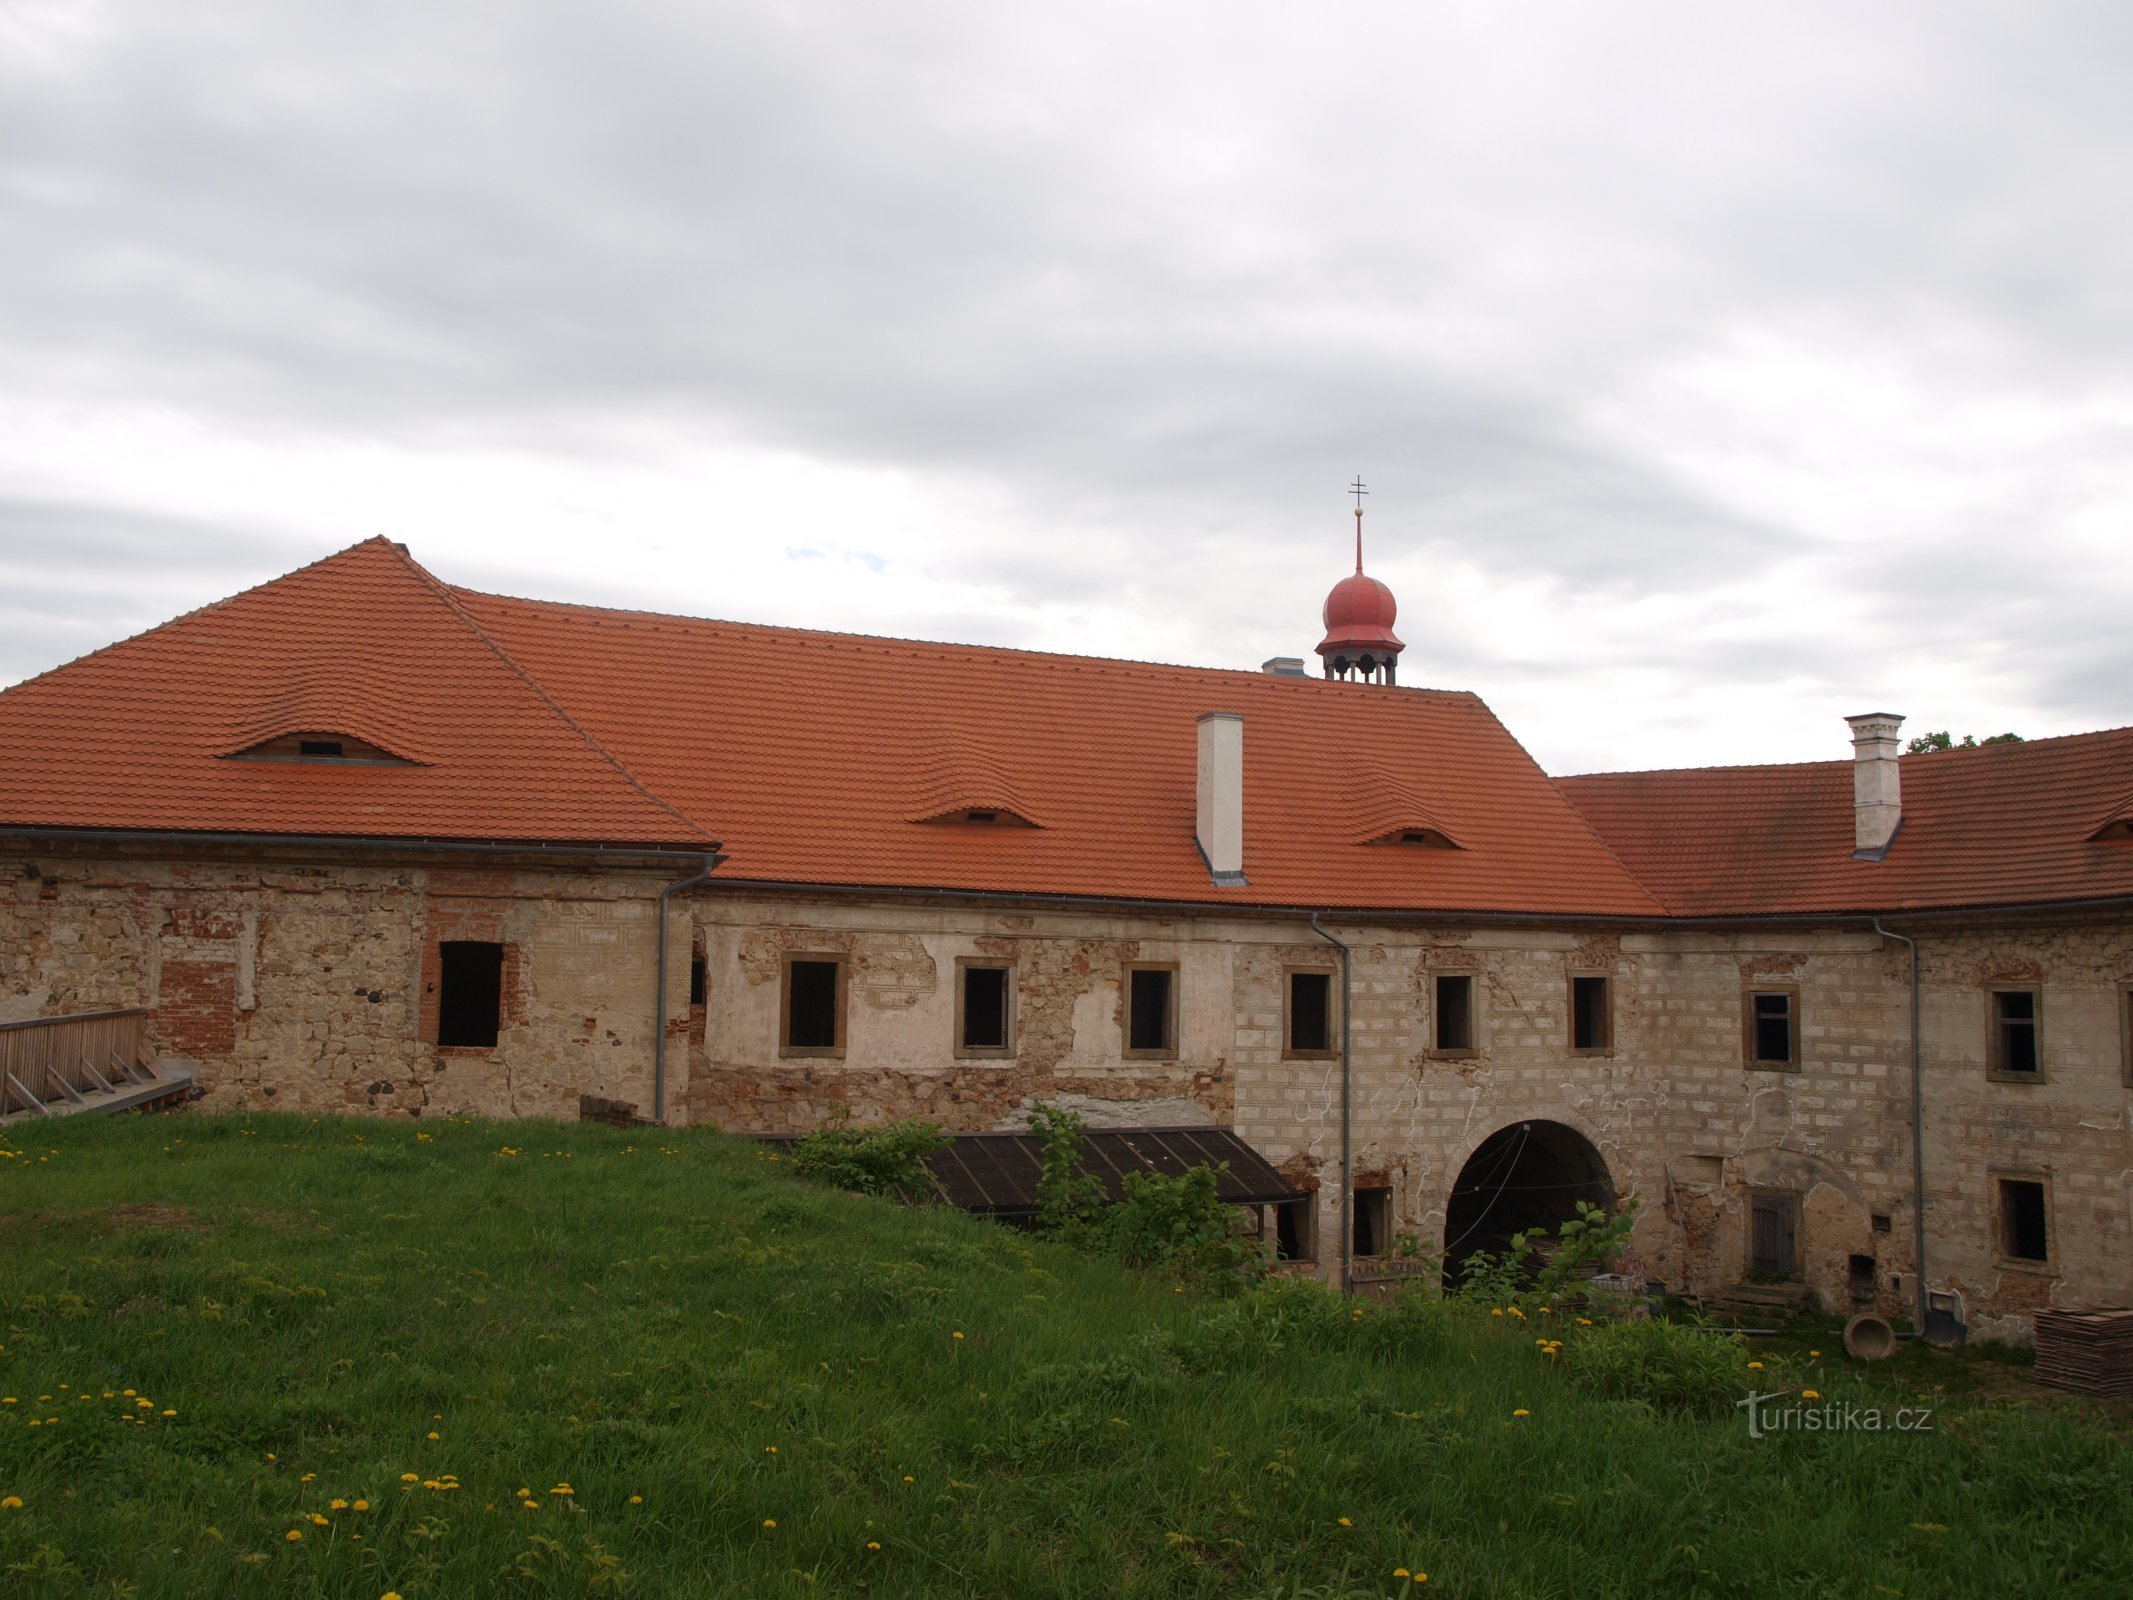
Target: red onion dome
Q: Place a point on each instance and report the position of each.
(1358, 617)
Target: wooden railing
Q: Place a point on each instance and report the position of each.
(49, 1056)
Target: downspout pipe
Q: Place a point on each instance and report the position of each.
(711, 860)
(1918, 1134)
(1347, 1117)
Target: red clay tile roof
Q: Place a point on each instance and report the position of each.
(810, 753)
(1998, 825)
(364, 643)
(812, 756)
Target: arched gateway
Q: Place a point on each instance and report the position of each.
(1528, 1175)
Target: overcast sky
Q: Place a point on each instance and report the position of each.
(1716, 370)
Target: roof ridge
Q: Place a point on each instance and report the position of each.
(445, 594)
(948, 646)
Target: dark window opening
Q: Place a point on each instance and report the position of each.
(1770, 1028)
(318, 747)
(812, 992)
(1861, 1277)
(1310, 1013)
(699, 979)
(2023, 1235)
(470, 992)
(1882, 1222)
(984, 816)
(1773, 1244)
(1591, 1021)
(1455, 1012)
(985, 1008)
(1292, 1231)
(1149, 1013)
(1373, 1222)
(2014, 1030)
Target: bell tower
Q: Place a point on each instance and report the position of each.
(1359, 641)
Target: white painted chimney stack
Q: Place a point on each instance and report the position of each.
(1877, 793)
(1221, 814)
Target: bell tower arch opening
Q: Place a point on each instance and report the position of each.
(1524, 1176)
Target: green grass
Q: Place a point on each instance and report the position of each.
(654, 1315)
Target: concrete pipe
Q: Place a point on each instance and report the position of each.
(1869, 1338)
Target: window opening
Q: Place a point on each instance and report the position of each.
(470, 993)
(318, 747)
(1151, 1016)
(1591, 1015)
(699, 979)
(1373, 1222)
(1773, 1236)
(2014, 1030)
(813, 1005)
(1771, 1037)
(1310, 1013)
(2023, 1231)
(985, 991)
(1455, 1011)
(1292, 1230)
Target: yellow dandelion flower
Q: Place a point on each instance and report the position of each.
(432, 1437)
(318, 1521)
(1495, 1311)
(909, 1479)
(362, 1505)
(958, 1333)
(531, 1505)
(771, 1523)
(1755, 1366)
(875, 1544)
(1421, 1577)
(1810, 1394)
(636, 1499)
(1521, 1412)
(1399, 1572)
(410, 1477)
(1816, 1354)
(1344, 1522)
(770, 1449)
(294, 1536)
(393, 1594)
(561, 1488)
(12, 1502)
(170, 1413)
(336, 1505)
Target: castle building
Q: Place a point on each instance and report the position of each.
(361, 840)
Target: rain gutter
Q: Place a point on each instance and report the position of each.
(711, 859)
(1918, 1135)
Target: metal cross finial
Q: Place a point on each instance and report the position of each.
(1356, 488)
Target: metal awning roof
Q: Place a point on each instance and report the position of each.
(996, 1174)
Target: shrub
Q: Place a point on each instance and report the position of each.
(887, 1160)
(1683, 1371)
(1181, 1224)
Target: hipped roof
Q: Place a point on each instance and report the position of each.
(814, 757)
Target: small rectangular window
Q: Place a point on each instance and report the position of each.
(470, 993)
(1454, 992)
(2023, 1223)
(2014, 1044)
(814, 1006)
(1592, 1022)
(1294, 1235)
(1310, 1014)
(1373, 1222)
(699, 979)
(984, 1010)
(319, 747)
(1151, 1011)
(1773, 1028)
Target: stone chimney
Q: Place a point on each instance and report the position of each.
(1221, 812)
(1877, 793)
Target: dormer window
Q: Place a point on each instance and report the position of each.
(980, 816)
(320, 745)
(1428, 838)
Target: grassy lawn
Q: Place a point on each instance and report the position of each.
(263, 1356)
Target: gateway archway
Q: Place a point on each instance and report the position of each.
(1528, 1175)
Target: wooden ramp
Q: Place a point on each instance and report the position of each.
(94, 1062)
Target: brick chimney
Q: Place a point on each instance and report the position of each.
(1877, 793)
(1221, 810)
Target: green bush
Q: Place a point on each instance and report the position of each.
(1682, 1371)
(888, 1160)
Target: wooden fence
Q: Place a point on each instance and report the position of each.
(48, 1056)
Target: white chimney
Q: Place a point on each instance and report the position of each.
(1221, 814)
(1877, 793)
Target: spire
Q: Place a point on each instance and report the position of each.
(1356, 488)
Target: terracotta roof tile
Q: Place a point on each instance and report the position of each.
(1997, 825)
